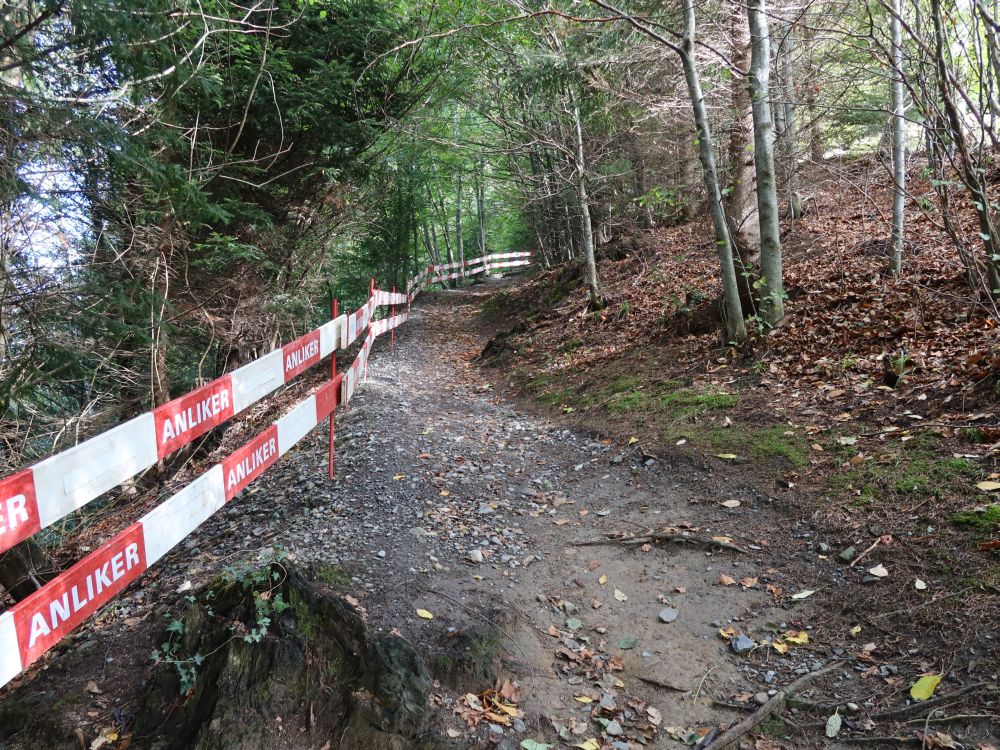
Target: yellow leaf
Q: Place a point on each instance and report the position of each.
(399, 476)
(924, 687)
(989, 486)
(444, 493)
(727, 456)
(424, 614)
(620, 596)
(590, 744)
(633, 440)
(856, 630)
(781, 648)
(603, 579)
(798, 638)
(583, 699)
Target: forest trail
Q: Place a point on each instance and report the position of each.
(435, 472)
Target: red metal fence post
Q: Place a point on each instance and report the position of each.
(333, 375)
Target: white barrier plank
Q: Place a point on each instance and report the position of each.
(254, 381)
(296, 425)
(10, 657)
(168, 523)
(71, 479)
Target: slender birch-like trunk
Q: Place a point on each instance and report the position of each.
(898, 141)
(772, 291)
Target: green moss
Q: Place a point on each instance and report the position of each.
(689, 401)
(634, 401)
(759, 443)
(915, 468)
(983, 522)
(304, 618)
(334, 575)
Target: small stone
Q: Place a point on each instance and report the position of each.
(381, 553)
(769, 677)
(475, 556)
(869, 578)
(613, 729)
(853, 707)
(824, 548)
(608, 702)
(496, 729)
(742, 644)
(847, 554)
(760, 698)
(668, 614)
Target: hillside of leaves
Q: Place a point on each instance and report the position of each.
(870, 412)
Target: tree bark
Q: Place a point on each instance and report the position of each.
(741, 202)
(735, 327)
(583, 199)
(898, 140)
(772, 292)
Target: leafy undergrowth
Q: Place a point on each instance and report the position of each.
(870, 412)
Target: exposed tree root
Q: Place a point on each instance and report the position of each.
(732, 735)
(665, 537)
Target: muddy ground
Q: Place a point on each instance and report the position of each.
(528, 544)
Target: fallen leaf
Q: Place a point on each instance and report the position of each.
(919, 585)
(856, 630)
(561, 521)
(748, 582)
(399, 476)
(534, 745)
(633, 440)
(804, 594)
(620, 596)
(92, 688)
(989, 486)
(799, 637)
(725, 580)
(424, 614)
(924, 687)
(603, 579)
(847, 440)
(781, 648)
(590, 744)
(731, 504)
(583, 699)
(727, 456)
(833, 725)
(879, 571)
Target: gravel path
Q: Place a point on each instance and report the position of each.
(452, 500)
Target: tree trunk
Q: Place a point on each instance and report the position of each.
(970, 171)
(741, 202)
(772, 292)
(898, 140)
(481, 212)
(735, 327)
(789, 150)
(459, 237)
(586, 226)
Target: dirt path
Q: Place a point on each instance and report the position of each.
(450, 499)
(435, 473)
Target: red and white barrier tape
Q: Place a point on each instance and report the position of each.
(34, 498)
(36, 624)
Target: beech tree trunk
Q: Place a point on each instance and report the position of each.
(898, 141)
(583, 199)
(732, 310)
(741, 203)
(772, 292)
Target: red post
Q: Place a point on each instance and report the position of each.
(368, 330)
(333, 374)
(392, 332)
